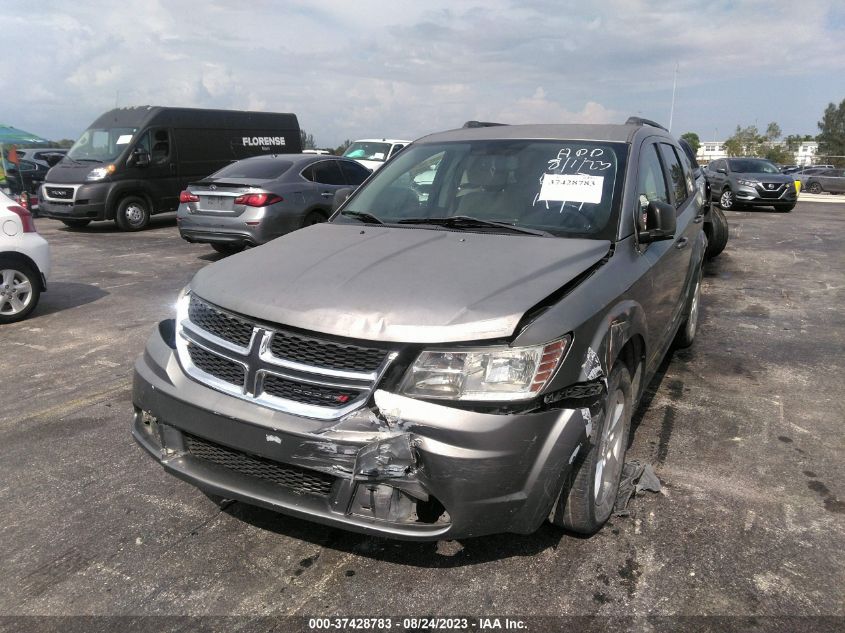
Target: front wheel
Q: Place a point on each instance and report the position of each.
(814, 188)
(727, 200)
(589, 493)
(133, 214)
(20, 289)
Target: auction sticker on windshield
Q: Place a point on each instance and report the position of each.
(572, 188)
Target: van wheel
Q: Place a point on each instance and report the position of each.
(133, 214)
(76, 224)
(717, 233)
(20, 289)
(315, 217)
(589, 493)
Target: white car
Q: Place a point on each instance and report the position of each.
(24, 262)
(372, 153)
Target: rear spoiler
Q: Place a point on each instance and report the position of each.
(474, 124)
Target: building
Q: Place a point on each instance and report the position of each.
(711, 150)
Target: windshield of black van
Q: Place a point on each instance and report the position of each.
(102, 145)
(563, 188)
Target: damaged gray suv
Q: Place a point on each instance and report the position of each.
(445, 365)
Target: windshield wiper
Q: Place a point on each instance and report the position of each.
(363, 216)
(467, 222)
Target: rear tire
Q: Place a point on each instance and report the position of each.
(227, 249)
(815, 188)
(314, 217)
(20, 289)
(689, 326)
(589, 492)
(717, 233)
(76, 224)
(133, 214)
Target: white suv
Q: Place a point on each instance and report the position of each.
(372, 153)
(24, 262)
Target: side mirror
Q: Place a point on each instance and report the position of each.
(660, 223)
(340, 197)
(722, 170)
(139, 158)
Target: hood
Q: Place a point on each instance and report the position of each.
(70, 173)
(409, 285)
(764, 176)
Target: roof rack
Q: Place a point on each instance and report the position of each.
(635, 120)
(472, 124)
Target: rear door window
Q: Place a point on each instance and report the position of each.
(327, 172)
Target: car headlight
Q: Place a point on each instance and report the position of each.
(183, 302)
(492, 373)
(748, 183)
(98, 173)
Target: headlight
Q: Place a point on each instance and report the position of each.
(98, 173)
(493, 373)
(748, 183)
(183, 301)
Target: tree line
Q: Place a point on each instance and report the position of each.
(749, 141)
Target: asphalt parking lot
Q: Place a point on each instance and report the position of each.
(745, 430)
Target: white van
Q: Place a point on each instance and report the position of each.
(372, 153)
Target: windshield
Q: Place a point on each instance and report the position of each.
(752, 166)
(366, 150)
(102, 145)
(566, 188)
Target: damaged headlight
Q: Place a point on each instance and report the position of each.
(493, 373)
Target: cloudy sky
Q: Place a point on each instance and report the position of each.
(404, 68)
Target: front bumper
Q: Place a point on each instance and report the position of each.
(761, 196)
(87, 202)
(413, 470)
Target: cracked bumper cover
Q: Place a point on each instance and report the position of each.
(491, 472)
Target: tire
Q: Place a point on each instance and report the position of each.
(727, 200)
(585, 505)
(814, 187)
(133, 214)
(314, 217)
(784, 208)
(717, 233)
(689, 326)
(76, 224)
(225, 248)
(20, 289)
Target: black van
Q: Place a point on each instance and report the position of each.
(132, 163)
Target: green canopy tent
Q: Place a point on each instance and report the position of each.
(9, 137)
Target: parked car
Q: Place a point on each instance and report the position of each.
(25, 176)
(24, 262)
(715, 223)
(255, 200)
(441, 368)
(131, 163)
(372, 153)
(831, 180)
(47, 156)
(752, 182)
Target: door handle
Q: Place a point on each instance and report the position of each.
(681, 243)
(327, 194)
(698, 219)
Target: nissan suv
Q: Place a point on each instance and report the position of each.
(445, 365)
(757, 182)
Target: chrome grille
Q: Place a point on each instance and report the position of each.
(301, 373)
(300, 480)
(311, 351)
(221, 324)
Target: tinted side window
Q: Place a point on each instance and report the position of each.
(676, 173)
(652, 182)
(308, 173)
(327, 172)
(355, 173)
